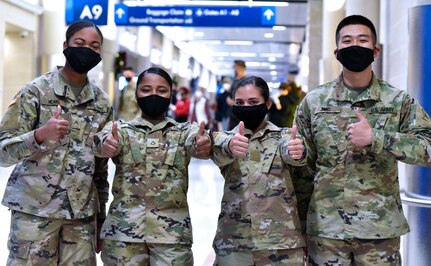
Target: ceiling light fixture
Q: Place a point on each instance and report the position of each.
(238, 42)
(269, 35)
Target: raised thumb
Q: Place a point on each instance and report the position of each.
(241, 130)
(359, 114)
(115, 130)
(57, 112)
(293, 132)
(201, 130)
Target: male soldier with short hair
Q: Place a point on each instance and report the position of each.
(357, 128)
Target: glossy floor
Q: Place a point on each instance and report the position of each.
(204, 195)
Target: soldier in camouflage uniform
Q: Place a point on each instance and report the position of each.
(127, 106)
(259, 222)
(357, 128)
(148, 222)
(58, 189)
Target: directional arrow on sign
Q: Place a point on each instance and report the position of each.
(120, 13)
(268, 14)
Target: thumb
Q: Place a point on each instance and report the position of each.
(115, 130)
(201, 130)
(359, 114)
(57, 112)
(241, 128)
(293, 132)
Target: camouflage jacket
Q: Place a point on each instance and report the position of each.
(128, 108)
(151, 182)
(56, 179)
(356, 190)
(259, 207)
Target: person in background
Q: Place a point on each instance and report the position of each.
(357, 128)
(278, 112)
(127, 107)
(259, 222)
(182, 106)
(200, 108)
(222, 105)
(148, 221)
(58, 188)
(239, 68)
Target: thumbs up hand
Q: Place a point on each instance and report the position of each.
(360, 133)
(54, 129)
(203, 142)
(238, 145)
(294, 145)
(111, 143)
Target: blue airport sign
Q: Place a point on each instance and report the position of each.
(95, 11)
(195, 16)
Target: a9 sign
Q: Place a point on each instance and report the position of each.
(94, 13)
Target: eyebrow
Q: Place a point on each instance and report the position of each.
(352, 36)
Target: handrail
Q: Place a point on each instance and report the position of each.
(406, 198)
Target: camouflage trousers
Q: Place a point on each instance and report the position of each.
(280, 257)
(37, 240)
(118, 253)
(333, 252)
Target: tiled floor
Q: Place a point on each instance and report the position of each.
(204, 195)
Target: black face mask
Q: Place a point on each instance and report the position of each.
(154, 105)
(355, 58)
(81, 59)
(128, 79)
(252, 116)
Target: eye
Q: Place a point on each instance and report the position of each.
(239, 102)
(254, 102)
(162, 90)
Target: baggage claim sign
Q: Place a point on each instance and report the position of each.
(195, 16)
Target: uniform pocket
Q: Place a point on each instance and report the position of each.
(18, 248)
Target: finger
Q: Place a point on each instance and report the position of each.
(115, 130)
(57, 112)
(201, 130)
(293, 132)
(241, 128)
(359, 114)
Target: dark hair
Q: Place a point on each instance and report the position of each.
(128, 68)
(356, 20)
(158, 71)
(240, 63)
(257, 82)
(79, 25)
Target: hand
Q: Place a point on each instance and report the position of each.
(360, 133)
(55, 129)
(111, 144)
(295, 146)
(203, 142)
(238, 145)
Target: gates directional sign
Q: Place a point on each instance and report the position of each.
(196, 16)
(92, 10)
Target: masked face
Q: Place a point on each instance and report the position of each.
(81, 59)
(355, 58)
(251, 115)
(153, 105)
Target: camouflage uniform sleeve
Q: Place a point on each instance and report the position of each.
(303, 176)
(101, 181)
(221, 154)
(190, 140)
(17, 141)
(412, 144)
(100, 137)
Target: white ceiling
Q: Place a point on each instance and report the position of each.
(212, 46)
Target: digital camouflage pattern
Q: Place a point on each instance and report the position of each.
(128, 108)
(151, 182)
(267, 257)
(137, 254)
(378, 252)
(76, 246)
(356, 190)
(259, 207)
(56, 179)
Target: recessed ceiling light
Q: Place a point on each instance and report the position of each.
(199, 34)
(238, 42)
(279, 28)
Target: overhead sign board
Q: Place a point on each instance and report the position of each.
(195, 16)
(95, 11)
